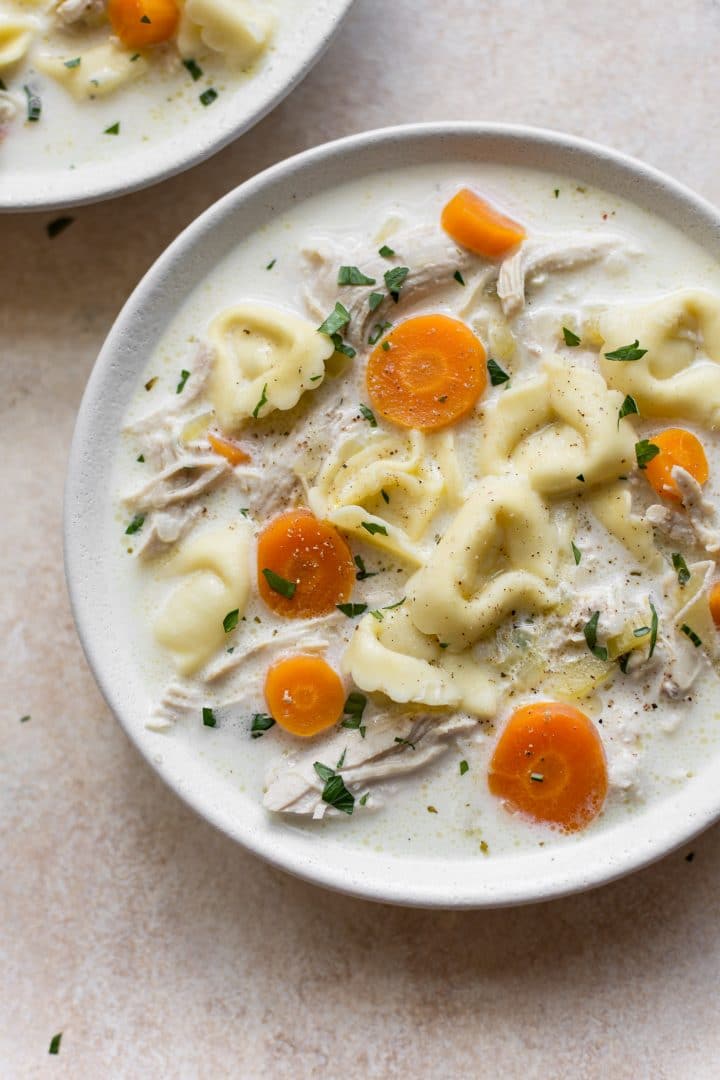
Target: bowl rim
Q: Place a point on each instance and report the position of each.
(73, 189)
(405, 880)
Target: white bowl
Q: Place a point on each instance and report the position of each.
(301, 39)
(444, 882)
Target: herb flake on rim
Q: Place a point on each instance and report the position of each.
(590, 631)
(353, 275)
(352, 610)
(627, 352)
(395, 279)
(135, 525)
(261, 403)
(372, 528)
(645, 451)
(571, 338)
(690, 633)
(231, 620)
(261, 723)
(681, 569)
(208, 717)
(496, 373)
(280, 584)
(55, 1043)
(368, 415)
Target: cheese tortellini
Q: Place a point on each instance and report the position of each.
(680, 372)
(560, 429)
(239, 29)
(101, 70)
(265, 359)
(393, 657)
(214, 573)
(612, 506)
(16, 35)
(499, 555)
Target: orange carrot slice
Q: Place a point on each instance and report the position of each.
(228, 449)
(141, 23)
(305, 567)
(427, 373)
(549, 763)
(677, 447)
(715, 604)
(475, 224)
(304, 695)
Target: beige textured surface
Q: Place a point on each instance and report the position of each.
(159, 948)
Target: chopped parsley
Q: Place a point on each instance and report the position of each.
(377, 332)
(151, 382)
(280, 584)
(34, 105)
(590, 632)
(341, 347)
(352, 610)
(627, 352)
(577, 553)
(261, 723)
(404, 742)
(689, 632)
(385, 346)
(55, 1043)
(135, 525)
(681, 568)
(538, 777)
(145, 19)
(395, 279)
(628, 408)
(341, 759)
(372, 528)
(336, 321)
(334, 793)
(362, 572)
(377, 615)
(114, 129)
(368, 415)
(641, 631)
(140, 457)
(580, 477)
(385, 495)
(231, 620)
(654, 623)
(352, 275)
(386, 252)
(24, 719)
(645, 451)
(375, 299)
(208, 717)
(459, 278)
(398, 603)
(208, 96)
(54, 228)
(571, 339)
(556, 192)
(496, 373)
(271, 264)
(261, 403)
(463, 767)
(75, 62)
(194, 69)
(364, 798)
(623, 662)
(353, 710)
(184, 376)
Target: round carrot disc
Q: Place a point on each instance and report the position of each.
(142, 23)
(677, 447)
(549, 763)
(312, 562)
(304, 695)
(427, 373)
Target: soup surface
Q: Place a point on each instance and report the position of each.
(416, 513)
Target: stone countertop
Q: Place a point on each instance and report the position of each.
(158, 947)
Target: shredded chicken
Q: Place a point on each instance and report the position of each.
(176, 702)
(268, 490)
(700, 512)
(181, 482)
(164, 528)
(541, 256)
(70, 12)
(390, 749)
(178, 404)
(228, 664)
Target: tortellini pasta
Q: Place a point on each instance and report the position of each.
(265, 359)
(16, 35)
(239, 29)
(499, 555)
(677, 330)
(612, 506)
(102, 70)
(560, 429)
(214, 570)
(392, 657)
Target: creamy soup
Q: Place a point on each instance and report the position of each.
(414, 525)
(83, 80)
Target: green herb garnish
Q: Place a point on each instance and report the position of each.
(55, 1043)
(280, 584)
(372, 528)
(231, 620)
(184, 376)
(590, 632)
(362, 572)
(626, 352)
(75, 62)
(404, 742)
(261, 723)
(353, 710)
(538, 777)
(135, 525)
(459, 278)
(496, 373)
(375, 299)
(645, 451)
(336, 321)
(151, 382)
(24, 719)
(352, 275)
(208, 717)
(352, 610)
(114, 129)
(208, 96)
(577, 553)
(385, 495)
(386, 252)
(378, 331)
(463, 767)
(689, 632)
(395, 279)
(261, 403)
(334, 793)
(271, 264)
(341, 759)
(34, 105)
(654, 623)
(571, 339)
(628, 407)
(194, 69)
(54, 228)
(385, 346)
(368, 415)
(364, 798)
(681, 568)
